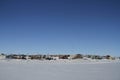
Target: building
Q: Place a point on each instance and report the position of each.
(2, 56)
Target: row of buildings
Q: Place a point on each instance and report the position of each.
(56, 57)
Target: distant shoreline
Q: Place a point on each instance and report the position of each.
(77, 61)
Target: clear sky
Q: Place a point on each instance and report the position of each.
(60, 26)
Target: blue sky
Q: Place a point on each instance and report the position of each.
(60, 26)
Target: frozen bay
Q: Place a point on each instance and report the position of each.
(56, 70)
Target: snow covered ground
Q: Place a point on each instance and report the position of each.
(59, 70)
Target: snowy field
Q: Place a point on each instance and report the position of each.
(59, 70)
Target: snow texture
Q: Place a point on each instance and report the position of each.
(59, 70)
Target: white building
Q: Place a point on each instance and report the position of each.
(55, 58)
(2, 56)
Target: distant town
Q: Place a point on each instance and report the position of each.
(56, 57)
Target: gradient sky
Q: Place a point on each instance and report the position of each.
(60, 26)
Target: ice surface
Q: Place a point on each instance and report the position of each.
(59, 70)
